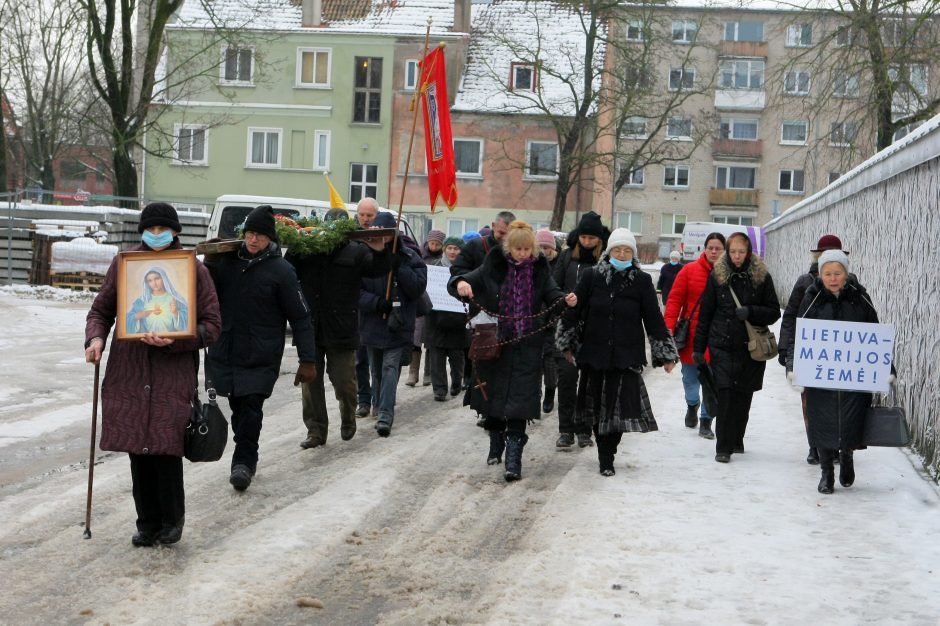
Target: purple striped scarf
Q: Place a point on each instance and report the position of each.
(517, 297)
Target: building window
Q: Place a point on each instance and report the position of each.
(744, 31)
(741, 74)
(845, 85)
(363, 181)
(635, 30)
(799, 35)
(845, 36)
(909, 78)
(264, 147)
(457, 227)
(367, 91)
(468, 153)
(794, 132)
(631, 220)
(321, 149)
(637, 77)
(634, 178)
(843, 133)
(679, 128)
(732, 128)
(796, 83)
(681, 78)
(192, 146)
(791, 181)
(313, 67)
(523, 77)
(412, 74)
(237, 66)
(684, 31)
(676, 176)
(672, 223)
(735, 177)
(541, 159)
(833, 177)
(737, 220)
(634, 128)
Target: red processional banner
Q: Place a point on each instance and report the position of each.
(438, 140)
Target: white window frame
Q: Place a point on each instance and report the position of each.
(529, 66)
(733, 64)
(844, 36)
(416, 75)
(727, 177)
(236, 82)
(687, 137)
(298, 78)
(463, 225)
(843, 125)
(675, 219)
(635, 178)
(683, 75)
(796, 35)
(676, 168)
(633, 219)
(797, 77)
(790, 142)
(733, 122)
(906, 71)
(528, 155)
(687, 27)
(364, 184)
(316, 150)
(280, 147)
(479, 173)
(793, 176)
(849, 85)
(204, 161)
(635, 120)
(736, 220)
(735, 30)
(638, 29)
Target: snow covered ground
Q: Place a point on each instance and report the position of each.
(417, 529)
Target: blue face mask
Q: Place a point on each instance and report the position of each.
(620, 265)
(157, 242)
(673, 263)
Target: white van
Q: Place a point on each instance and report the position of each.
(231, 210)
(694, 233)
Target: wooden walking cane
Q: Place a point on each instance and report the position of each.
(91, 452)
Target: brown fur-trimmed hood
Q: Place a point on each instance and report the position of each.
(756, 270)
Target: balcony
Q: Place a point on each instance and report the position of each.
(734, 197)
(740, 99)
(737, 148)
(743, 48)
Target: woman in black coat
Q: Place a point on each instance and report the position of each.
(605, 338)
(446, 335)
(721, 329)
(836, 418)
(515, 283)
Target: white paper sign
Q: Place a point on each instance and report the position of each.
(843, 355)
(437, 290)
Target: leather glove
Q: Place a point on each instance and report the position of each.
(383, 306)
(782, 357)
(791, 377)
(698, 358)
(742, 313)
(306, 373)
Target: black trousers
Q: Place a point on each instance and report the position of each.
(246, 425)
(503, 425)
(158, 491)
(568, 399)
(734, 408)
(607, 448)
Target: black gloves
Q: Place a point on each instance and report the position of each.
(383, 306)
(742, 313)
(699, 358)
(782, 357)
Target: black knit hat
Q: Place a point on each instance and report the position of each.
(159, 214)
(590, 224)
(261, 221)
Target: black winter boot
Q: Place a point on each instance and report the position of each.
(606, 462)
(515, 442)
(828, 479)
(691, 419)
(497, 445)
(813, 456)
(548, 404)
(705, 428)
(846, 468)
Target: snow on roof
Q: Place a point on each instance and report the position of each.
(362, 16)
(519, 31)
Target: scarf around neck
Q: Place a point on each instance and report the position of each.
(516, 297)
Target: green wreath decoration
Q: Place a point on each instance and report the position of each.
(306, 236)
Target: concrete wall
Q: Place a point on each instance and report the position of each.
(885, 212)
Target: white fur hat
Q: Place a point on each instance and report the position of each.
(621, 237)
(833, 256)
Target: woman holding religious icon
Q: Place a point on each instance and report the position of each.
(836, 417)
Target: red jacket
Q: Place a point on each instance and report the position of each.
(685, 293)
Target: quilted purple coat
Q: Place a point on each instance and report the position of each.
(147, 391)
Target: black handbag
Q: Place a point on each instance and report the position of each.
(207, 431)
(681, 333)
(886, 426)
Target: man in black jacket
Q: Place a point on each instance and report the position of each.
(330, 285)
(258, 295)
(472, 255)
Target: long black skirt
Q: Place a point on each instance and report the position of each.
(615, 401)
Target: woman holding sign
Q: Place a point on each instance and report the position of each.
(446, 335)
(739, 276)
(836, 417)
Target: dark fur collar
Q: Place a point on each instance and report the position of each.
(756, 270)
(606, 270)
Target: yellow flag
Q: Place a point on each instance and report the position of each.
(336, 201)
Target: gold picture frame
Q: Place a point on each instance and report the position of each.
(156, 293)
